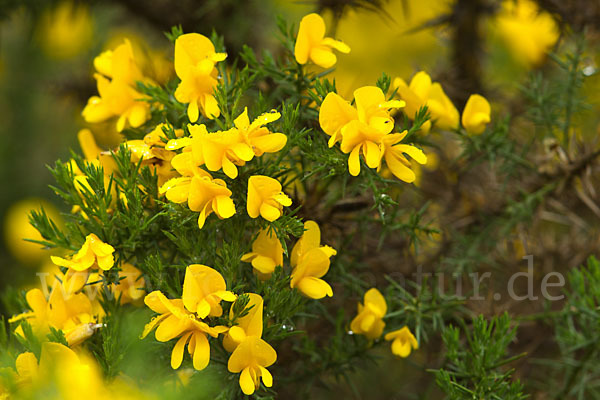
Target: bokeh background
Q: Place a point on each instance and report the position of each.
(47, 49)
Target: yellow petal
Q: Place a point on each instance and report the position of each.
(177, 354)
(201, 355)
(323, 57)
(246, 382)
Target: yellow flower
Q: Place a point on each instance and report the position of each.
(403, 341)
(415, 95)
(130, 287)
(267, 253)
(63, 374)
(357, 138)
(395, 159)
(151, 151)
(66, 30)
(265, 198)
(195, 60)
(423, 92)
(251, 358)
(476, 114)
(250, 324)
(203, 290)
(310, 262)
(93, 253)
(310, 239)
(219, 150)
(441, 108)
(528, 31)
(17, 228)
(369, 321)
(311, 43)
(334, 114)
(258, 137)
(72, 314)
(202, 193)
(118, 72)
(174, 320)
(371, 109)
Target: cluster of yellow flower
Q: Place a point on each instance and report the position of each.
(182, 164)
(224, 150)
(78, 314)
(203, 290)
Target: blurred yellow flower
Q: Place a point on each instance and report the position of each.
(195, 60)
(265, 198)
(311, 43)
(251, 357)
(203, 289)
(17, 228)
(116, 77)
(476, 114)
(130, 287)
(403, 341)
(267, 253)
(71, 313)
(250, 324)
(66, 30)
(527, 31)
(423, 92)
(369, 321)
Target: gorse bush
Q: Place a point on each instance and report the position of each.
(220, 249)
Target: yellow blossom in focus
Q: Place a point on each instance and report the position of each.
(394, 154)
(175, 321)
(219, 150)
(476, 114)
(197, 187)
(372, 109)
(251, 357)
(369, 321)
(71, 313)
(311, 43)
(527, 31)
(267, 253)
(66, 30)
(310, 262)
(265, 198)
(116, 77)
(93, 252)
(203, 289)
(403, 341)
(195, 60)
(250, 324)
(257, 136)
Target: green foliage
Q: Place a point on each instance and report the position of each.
(473, 366)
